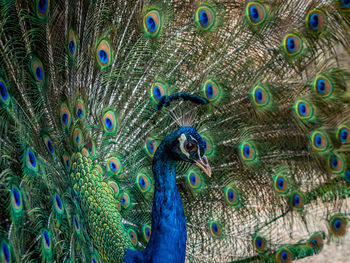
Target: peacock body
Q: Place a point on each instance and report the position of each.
(173, 131)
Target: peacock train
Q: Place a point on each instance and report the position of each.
(172, 131)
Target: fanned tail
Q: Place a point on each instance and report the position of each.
(79, 84)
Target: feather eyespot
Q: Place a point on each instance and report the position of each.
(58, 204)
(336, 163)
(255, 13)
(114, 187)
(152, 23)
(150, 146)
(297, 201)
(109, 122)
(284, 256)
(46, 240)
(292, 44)
(80, 110)
(316, 21)
(343, 134)
(344, 5)
(31, 158)
(281, 184)
(215, 229)
(5, 98)
(5, 252)
(337, 225)
(72, 44)
(323, 87)
(76, 225)
(71, 47)
(211, 90)
(208, 145)
(319, 141)
(43, 7)
(158, 90)
(260, 96)
(231, 196)
(90, 146)
(205, 17)
(113, 166)
(193, 179)
(133, 237)
(77, 137)
(65, 116)
(16, 199)
(38, 70)
(146, 230)
(31, 161)
(104, 54)
(48, 144)
(315, 241)
(248, 152)
(259, 244)
(143, 182)
(303, 109)
(125, 200)
(347, 178)
(66, 161)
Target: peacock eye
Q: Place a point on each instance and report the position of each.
(190, 146)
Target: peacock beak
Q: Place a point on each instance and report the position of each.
(204, 165)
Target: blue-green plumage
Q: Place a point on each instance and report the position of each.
(168, 217)
(105, 114)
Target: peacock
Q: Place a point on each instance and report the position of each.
(173, 130)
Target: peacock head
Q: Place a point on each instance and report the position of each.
(188, 146)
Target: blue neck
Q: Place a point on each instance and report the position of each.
(168, 233)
